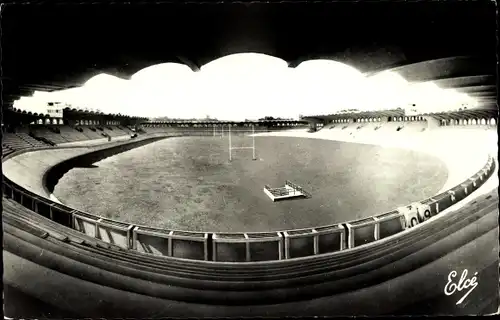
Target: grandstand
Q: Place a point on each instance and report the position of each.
(31, 132)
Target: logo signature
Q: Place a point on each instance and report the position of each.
(463, 283)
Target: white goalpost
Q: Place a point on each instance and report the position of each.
(231, 148)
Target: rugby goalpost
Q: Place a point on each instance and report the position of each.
(231, 148)
(216, 133)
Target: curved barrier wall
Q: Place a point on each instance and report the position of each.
(234, 247)
(406, 276)
(52, 176)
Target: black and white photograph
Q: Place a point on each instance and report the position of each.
(249, 159)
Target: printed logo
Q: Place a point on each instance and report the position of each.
(463, 284)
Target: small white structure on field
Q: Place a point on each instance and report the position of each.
(288, 191)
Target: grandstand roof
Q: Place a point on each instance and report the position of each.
(486, 113)
(360, 115)
(47, 47)
(468, 114)
(84, 114)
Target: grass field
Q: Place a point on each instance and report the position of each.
(187, 183)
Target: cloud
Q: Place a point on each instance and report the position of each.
(251, 86)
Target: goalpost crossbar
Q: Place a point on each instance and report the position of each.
(231, 148)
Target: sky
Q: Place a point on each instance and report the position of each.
(249, 86)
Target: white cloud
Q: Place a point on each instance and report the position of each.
(251, 86)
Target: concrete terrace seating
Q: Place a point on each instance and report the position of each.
(32, 141)
(468, 127)
(368, 125)
(19, 141)
(339, 127)
(414, 126)
(389, 126)
(68, 134)
(377, 130)
(360, 126)
(90, 134)
(124, 129)
(14, 142)
(6, 150)
(115, 131)
(71, 134)
(112, 133)
(43, 131)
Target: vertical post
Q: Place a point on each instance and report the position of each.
(247, 247)
(170, 251)
(316, 241)
(229, 131)
(253, 141)
(134, 238)
(214, 130)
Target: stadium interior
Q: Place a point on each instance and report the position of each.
(95, 97)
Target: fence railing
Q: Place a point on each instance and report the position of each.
(243, 247)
